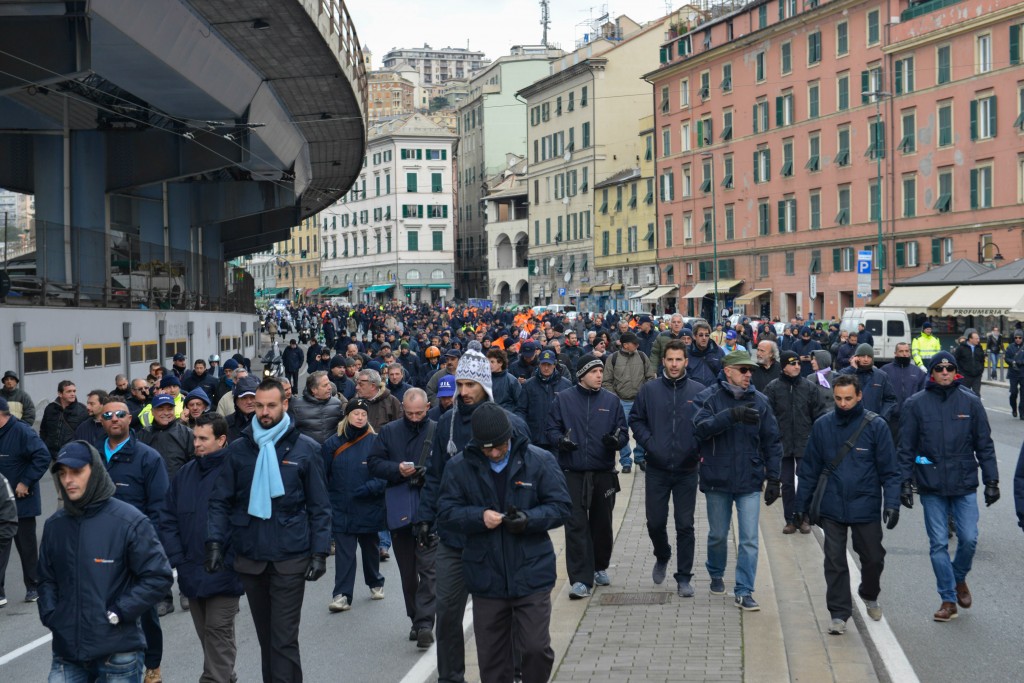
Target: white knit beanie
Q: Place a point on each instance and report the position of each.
(474, 366)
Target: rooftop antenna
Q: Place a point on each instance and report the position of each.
(545, 20)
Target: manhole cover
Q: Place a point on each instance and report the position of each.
(660, 598)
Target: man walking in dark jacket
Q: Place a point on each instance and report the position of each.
(292, 359)
(865, 480)
(662, 422)
(588, 427)
(101, 567)
(1014, 357)
(62, 417)
(878, 395)
(740, 448)
(906, 379)
(704, 357)
(539, 391)
(970, 360)
(508, 561)
(213, 598)
(796, 404)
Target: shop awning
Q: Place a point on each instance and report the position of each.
(439, 285)
(334, 291)
(417, 285)
(376, 289)
(601, 289)
(642, 293)
(708, 289)
(917, 299)
(276, 291)
(319, 291)
(984, 300)
(584, 291)
(618, 288)
(752, 296)
(659, 292)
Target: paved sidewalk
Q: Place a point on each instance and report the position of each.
(706, 638)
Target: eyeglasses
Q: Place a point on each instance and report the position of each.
(111, 414)
(793, 362)
(744, 369)
(945, 367)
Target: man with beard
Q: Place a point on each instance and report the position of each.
(704, 355)
(272, 478)
(396, 380)
(675, 331)
(907, 379)
(768, 367)
(91, 430)
(879, 396)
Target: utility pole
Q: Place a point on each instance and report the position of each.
(545, 20)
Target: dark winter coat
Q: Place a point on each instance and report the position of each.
(357, 497)
(58, 424)
(20, 404)
(318, 419)
(906, 381)
(508, 393)
(970, 363)
(662, 423)
(140, 477)
(207, 382)
(805, 348)
(586, 416)
(292, 358)
(704, 366)
(384, 408)
(539, 392)
(879, 396)
(796, 404)
(237, 423)
(23, 460)
(175, 444)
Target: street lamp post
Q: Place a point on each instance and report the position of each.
(714, 238)
(877, 145)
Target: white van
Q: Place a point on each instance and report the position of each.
(888, 326)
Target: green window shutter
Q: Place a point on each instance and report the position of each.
(992, 116)
(865, 82)
(435, 182)
(778, 112)
(444, 155)
(1015, 34)
(974, 119)
(974, 188)
(757, 169)
(782, 215)
(837, 260)
(767, 165)
(899, 76)
(410, 182)
(901, 254)
(936, 250)
(755, 119)
(700, 133)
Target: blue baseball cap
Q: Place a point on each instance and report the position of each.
(75, 455)
(529, 348)
(162, 400)
(446, 386)
(548, 356)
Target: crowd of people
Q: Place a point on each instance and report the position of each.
(457, 438)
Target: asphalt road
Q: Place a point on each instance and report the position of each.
(983, 644)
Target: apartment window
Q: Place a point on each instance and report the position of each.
(705, 185)
(904, 75)
(1016, 49)
(705, 136)
(909, 195)
(649, 197)
(813, 107)
(706, 226)
(842, 259)
(762, 165)
(759, 62)
(572, 101)
(668, 231)
(944, 203)
(727, 78)
(1020, 179)
(583, 97)
(648, 148)
(410, 182)
(787, 215)
(604, 198)
(618, 198)
(787, 158)
(873, 27)
(547, 231)
(684, 136)
(814, 48)
(843, 201)
(727, 181)
(981, 187)
(786, 53)
(730, 222)
(945, 124)
(814, 205)
(664, 100)
(906, 255)
(762, 266)
(687, 180)
(790, 263)
(585, 134)
(943, 65)
(604, 243)
(726, 125)
(815, 265)
(666, 142)
(558, 106)
(983, 53)
(667, 192)
(983, 118)
(413, 241)
(687, 228)
(908, 141)
(436, 184)
(684, 93)
(842, 39)
(942, 250)
(870, 81)
(618, 241)
(784, 110)
(764, 217)
(438, 240)
(843, 92)
(545, 111)
(705, 85)
(760, 116)
(874, 200)
(813, 152)
(762, 16)
(876, 134)
(843, 150)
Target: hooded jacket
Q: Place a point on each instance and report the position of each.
(662, 423)
(796, 404)
(495, 563)
(704, 366)
(23, 460)
(317, 418)
(384, 408)
(879, 396)
(102, 556)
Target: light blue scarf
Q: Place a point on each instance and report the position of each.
(266, 479)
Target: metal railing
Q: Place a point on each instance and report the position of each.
(349, 48)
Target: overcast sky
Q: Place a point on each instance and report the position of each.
(492, 26)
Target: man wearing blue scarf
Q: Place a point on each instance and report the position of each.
(270, 505)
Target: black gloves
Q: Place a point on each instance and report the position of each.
(991, 492)
(611, 441)
(417, 479)
(891, 518)
(316, 568)
(772, 491)
(907, 495)
(565, 445)
(745, 414)
(214, 557)
(515, 520)
(421, 531)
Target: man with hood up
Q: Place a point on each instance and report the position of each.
(101, 567)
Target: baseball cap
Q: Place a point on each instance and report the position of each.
(529, 348)
(230, 364)
(548, 356)
(738, 358)
(446, 386)
(75, 455)
(179, 356)
(730, 334)
(246, 387)
(162, 400)
(453, 353)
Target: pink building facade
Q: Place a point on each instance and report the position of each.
(770, 154)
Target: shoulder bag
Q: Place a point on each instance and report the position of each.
(814, 514)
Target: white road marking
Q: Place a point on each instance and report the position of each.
(425, 668)
(14, 654)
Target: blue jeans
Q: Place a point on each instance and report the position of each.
(748, 510)
(993, 364)
(384, 540)
(120, 667)
(964, 510)
(639, 453)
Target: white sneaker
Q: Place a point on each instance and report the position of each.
(837, 627)
(377, 593)
(339, 604)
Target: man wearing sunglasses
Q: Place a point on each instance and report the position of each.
(740, 448)
(140, 479)
(944, 439)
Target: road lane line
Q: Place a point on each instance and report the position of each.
(14, 654)
(425, 668)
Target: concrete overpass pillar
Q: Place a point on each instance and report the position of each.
(213, 262)
(151, 223)
(179, 209)
(89, 211)
(48, 161)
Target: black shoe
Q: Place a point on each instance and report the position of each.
(164, 607)
(642, 465)
(413, 634)
(183, 602)
(424, 638)
(627, 469)
(1014, 412)
(660, 568)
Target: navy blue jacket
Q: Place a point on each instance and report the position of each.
(878, 394)
(906, 381)
(23, 460)
(300, 520)
(586, 416)
(539, 392)
(183, 529)
(107, 559)
(398, 441)
(646, 340)
(412, 365)
(398, 391)
(948, 427)
(207, 382)
(496, 563)
(508, 393)
(805, 348)
(292, 358)
(854, 494)
(451, 436)
(843, 355)
(357, 498)
(704, 366)
(1014, 357)
(796, 404)
(1018, 488)
(436, 412)
(140, 476)
(735, 457)
(662, 422)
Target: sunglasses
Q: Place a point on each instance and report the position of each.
(944, 368)
(744, 370)
(793, 362)
(111, 414)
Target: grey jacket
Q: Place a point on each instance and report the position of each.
(624, 374)
(318, 419)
